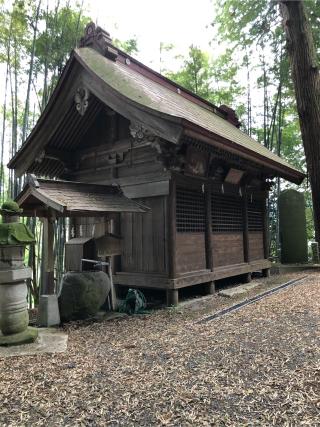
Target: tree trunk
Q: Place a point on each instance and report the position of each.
(306, 79)
(33, 49)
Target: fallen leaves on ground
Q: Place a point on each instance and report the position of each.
(259, 366)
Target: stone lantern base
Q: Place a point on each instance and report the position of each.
(14, 316)
(27, 336)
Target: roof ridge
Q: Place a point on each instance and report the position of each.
(100, 40)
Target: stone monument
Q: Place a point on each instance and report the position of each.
(293, 229)
(14, 318)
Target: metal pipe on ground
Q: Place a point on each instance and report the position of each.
(252, 300)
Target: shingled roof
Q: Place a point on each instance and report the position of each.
(68, 198)
(142, 95)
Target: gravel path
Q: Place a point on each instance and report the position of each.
(259, 366)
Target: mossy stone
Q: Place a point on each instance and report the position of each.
(14, 323)
(28, 336)
(82, 294)
(293, 229)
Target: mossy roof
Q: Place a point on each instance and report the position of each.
(147, 97)
(142, 90)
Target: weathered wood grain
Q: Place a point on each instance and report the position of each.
(190, 252)
(228, 248)
(144, 247)
(256, 247)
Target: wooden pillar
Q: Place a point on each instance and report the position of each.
(245, 226)
(266, 272)
(265, 230)
(172, 229)
(172, 297)
(211, 287)
(246, 254)
(208, 236)
(172, 294)
(113, 292)
(47, 284)
(247, 278)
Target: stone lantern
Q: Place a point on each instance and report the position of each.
(14, 318)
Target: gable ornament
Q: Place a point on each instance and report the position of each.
(100, 40)
(81, 100)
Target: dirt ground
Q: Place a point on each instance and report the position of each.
(259, 366)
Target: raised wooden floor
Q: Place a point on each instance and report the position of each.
(161, 281)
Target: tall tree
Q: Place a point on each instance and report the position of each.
(212, 79)
(305, 74)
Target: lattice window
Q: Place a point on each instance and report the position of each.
(255, 214)
(190, 214)
(226, 213)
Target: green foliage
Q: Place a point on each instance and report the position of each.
(214, 80)
(196, 72)
(129, 46)
(243, 23)
(63, 29)
(36, 39)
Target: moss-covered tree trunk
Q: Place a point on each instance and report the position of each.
(306, 79)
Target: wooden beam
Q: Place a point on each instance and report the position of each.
(47, 283)
(265, 230)
(245, 226)
(208, 237)
(172, 201)
(67, 158)
(208, 228)
(242, 151)
(114, 300)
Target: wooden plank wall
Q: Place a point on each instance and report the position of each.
(190, 252)
(90, 226)
(256, 249)
(227, 248)
(144, 238)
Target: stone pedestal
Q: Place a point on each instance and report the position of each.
(14, 318)
(48, 311)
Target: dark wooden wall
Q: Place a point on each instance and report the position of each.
(227, 248)
(227, 225)
(256, 245)
(144, 238)
(190, 252)
(172, 240)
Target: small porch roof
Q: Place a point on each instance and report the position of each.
(70, 199)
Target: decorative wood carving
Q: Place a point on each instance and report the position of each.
(100, 40)
(171, 157)
(81, 99)
(230, 115)
(226, 160)
(141, 134)
(40, 157)
(196, 162)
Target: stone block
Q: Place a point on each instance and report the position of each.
(14, 316)
(82, 294)
(27, 336)
(48, 311)
(17, 275)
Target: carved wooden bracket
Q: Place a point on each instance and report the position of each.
(100, 40)
(141, 134)
(171, 157)
(81, 99)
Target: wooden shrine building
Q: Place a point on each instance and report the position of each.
(112, 120)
